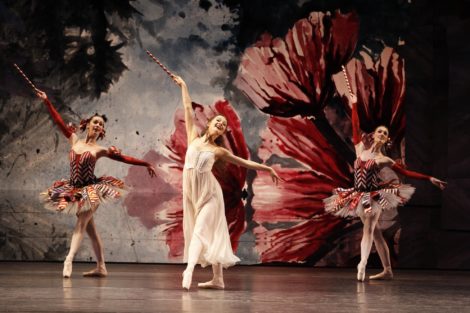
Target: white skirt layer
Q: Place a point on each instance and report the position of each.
(204, 217)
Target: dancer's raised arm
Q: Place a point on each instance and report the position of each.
(66, 130)
(191, 131)
(356, 126)
(228, 156)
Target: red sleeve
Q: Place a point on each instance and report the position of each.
(58, 119)
(115, 154)
(401, 170)
(356, 127)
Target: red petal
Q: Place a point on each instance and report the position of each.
(147, 194)
(299, 199)
(380, 88)
(296, 243)
(291, 76)
(299, 139)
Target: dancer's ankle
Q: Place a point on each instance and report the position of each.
(101, 265)
(217, 281)
(388, 269)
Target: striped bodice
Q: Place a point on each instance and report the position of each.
(82, 168)
(366, 175)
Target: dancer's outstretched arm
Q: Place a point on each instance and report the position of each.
(228, 156)
(66, 130)
(191, 131)
(115, 154)
(412, 174)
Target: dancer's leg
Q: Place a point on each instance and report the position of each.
(100, 270)
(369, 221)
(384, 254)
(194, 251)
(77, 236)
(203, 219)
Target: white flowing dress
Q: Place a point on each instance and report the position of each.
(204, 210)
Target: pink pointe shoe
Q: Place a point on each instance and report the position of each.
(67, 272)
(187, 278)
(361, 272)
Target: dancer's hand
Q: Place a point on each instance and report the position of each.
(368, 210)
(41, 94)
(151, 171)
(438, 183)
(178, 80)
(275, 177)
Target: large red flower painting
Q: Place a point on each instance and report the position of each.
(292, 75)
(160, 202)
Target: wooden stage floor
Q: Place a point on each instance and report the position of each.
(39, 287)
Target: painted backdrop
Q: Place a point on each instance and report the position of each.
(274, 69)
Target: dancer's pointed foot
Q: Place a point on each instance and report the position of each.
(387, 274)
(212, 285)
(361, 272)
(187, 278)
(67, 272)
(99, 271)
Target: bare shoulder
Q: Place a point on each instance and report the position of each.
(221, 152)
(73, 138)
(103, 151)
(385, 160)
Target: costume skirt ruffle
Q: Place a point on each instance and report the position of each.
(64, 197)
(351, 203)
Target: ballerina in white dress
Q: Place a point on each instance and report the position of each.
(206, 236)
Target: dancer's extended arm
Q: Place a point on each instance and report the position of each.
(115, 154)
(397, 167)
(227, 156)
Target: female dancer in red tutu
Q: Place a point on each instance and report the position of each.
(206, 236)
(83, 192)
(370, 195)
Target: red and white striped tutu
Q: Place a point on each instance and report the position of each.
(83, 191)
(368, 192)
